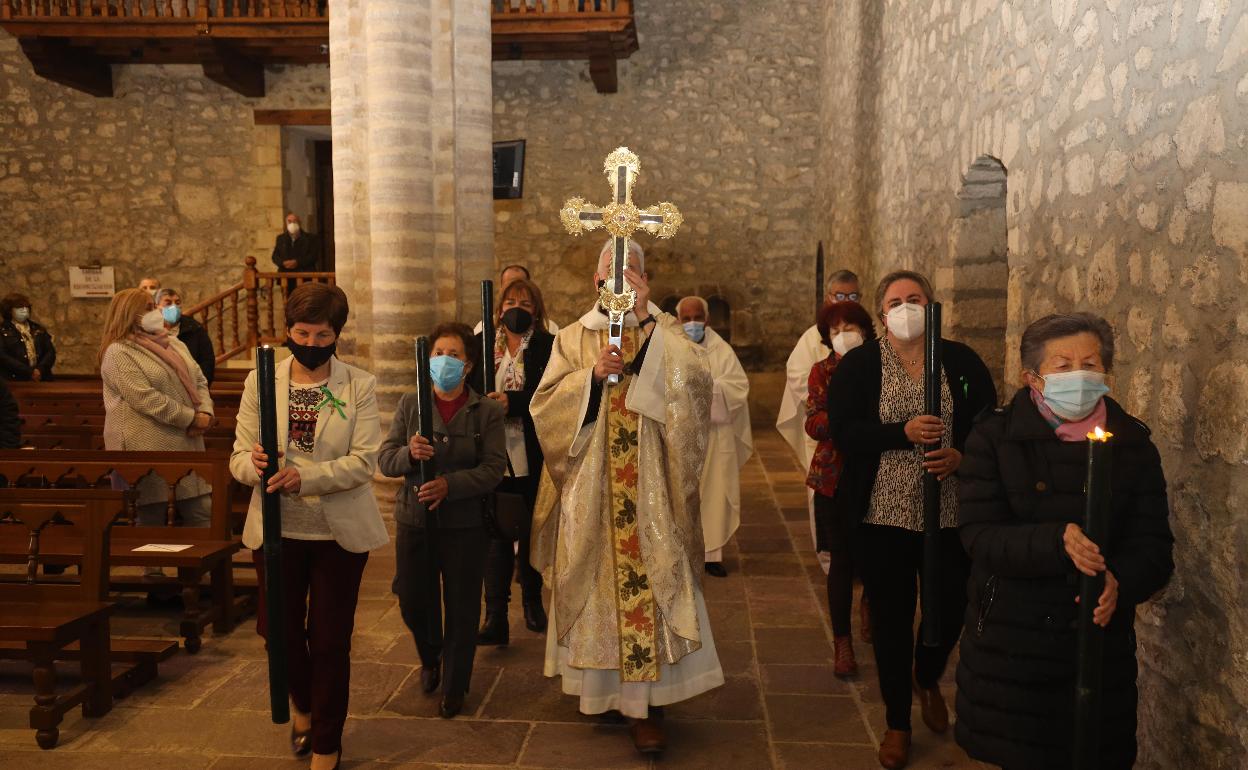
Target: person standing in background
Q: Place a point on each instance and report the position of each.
(191, 332)
(26, 349)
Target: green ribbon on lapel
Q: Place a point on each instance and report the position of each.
(332, 402)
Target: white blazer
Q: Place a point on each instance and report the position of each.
(345, 454)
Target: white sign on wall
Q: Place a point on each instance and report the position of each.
(92, 282)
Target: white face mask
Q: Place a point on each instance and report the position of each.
(292, 228)
(907, 322)
(152, 322)
(843, 342)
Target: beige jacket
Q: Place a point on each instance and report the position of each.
(146, 409)
(345, 453)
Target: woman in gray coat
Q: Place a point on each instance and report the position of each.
(155, 400)
(441, 540)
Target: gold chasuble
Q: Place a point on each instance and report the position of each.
(616, 532)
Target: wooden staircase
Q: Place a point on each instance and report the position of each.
(251, 312)
(76, 42)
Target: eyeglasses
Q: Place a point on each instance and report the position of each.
(841, 296)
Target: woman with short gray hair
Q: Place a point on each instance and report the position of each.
(1021, 504)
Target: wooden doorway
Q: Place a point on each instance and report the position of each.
(323, 172)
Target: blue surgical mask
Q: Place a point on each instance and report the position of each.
(447, 372)
(696, 331)
(21, 314)
(172, 314)
(1074, 395)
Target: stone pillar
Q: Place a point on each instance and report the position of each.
(410, 88)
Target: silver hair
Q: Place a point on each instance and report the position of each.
(164, 292)
(840, 276)
(706, 307)
(634, 250)
(1058, 325)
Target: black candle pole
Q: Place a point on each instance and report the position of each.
(275, 636)
(1091, 639)
(424, 404)
(820, 294)
(487, 338)
(931, 485)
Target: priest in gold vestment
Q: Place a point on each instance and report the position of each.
(616, 532)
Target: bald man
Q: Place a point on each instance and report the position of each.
(730, 443)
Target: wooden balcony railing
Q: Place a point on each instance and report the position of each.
(251, 312)
(602, 31)
(73, 42)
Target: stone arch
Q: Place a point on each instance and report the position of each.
(975, 281)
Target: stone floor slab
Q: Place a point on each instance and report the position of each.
(823, 718)
(609, 747)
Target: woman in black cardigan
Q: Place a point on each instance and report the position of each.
(875, 412)
(520, 357)
(1022, 497)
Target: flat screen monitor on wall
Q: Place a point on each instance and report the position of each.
(508, 169)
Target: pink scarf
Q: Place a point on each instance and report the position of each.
(1070, 431)
(158, 345)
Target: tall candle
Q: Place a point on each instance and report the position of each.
(1091, 636)
(275, 614)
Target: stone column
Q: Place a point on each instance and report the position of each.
(410, 89)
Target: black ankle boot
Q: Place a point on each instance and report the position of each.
(494, 631)
(535, 617)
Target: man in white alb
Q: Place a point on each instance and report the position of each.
(842, 286)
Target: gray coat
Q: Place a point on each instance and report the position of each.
(146, 409)
(470, 453)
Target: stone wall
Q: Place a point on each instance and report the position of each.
(1122, 127)
(170, 177)
(720, 105)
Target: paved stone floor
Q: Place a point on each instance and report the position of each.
(780, 707)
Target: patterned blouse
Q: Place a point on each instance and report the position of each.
(897, 498)
(825, 466)
(302, 517)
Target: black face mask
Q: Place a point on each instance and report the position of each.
(518, 320)
(311, 356)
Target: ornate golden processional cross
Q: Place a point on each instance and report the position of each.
(621, 218)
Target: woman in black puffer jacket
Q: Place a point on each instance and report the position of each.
(1021, 501)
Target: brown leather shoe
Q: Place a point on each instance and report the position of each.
(932, 704)
(895, 749)
(648, 735)
(844, 664)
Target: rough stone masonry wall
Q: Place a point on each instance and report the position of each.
(720, 105)
(170, 177)
(1123, 127)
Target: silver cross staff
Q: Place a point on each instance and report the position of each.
(621, 218)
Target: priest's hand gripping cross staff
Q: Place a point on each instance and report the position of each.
(621, 218)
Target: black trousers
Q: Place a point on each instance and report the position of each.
(504, 562)
(451, 563)
(891, 563)
(835, 533)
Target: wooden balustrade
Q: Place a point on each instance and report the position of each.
(260, 298)
(548, 7)
(128, 10)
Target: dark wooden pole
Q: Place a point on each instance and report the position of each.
(275, 637)
(931, 486)
(1091, 642)
(487, 338)
(819, 292)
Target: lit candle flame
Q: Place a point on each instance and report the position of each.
(1098, 434)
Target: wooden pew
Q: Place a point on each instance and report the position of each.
(212, 547)
(55, 620)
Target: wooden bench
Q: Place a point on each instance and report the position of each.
(43, 622)
(211, 548)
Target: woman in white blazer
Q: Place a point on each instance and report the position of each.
(329, 434)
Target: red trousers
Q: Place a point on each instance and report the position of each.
(321, 583)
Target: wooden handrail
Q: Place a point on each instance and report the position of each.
(233, 316)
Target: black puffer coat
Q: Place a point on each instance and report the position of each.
(1020, 487)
